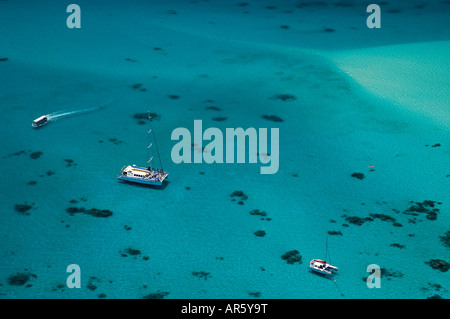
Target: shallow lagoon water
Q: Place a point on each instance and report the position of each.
(222, 61)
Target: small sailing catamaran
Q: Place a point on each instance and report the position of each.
(144, 175)
(321, 266)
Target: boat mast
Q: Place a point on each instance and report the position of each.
(150, 131)
(150, 137)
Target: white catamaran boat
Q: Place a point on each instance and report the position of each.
(40, 121)
(321, 266)
(144, 175)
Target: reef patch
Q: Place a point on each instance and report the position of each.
(156, 295)
(36, 155)
(273, 118)
(95, 212)
(438, 264)
(358, 175)
(283, 97)
(20, 279)
(292, 256)
(240, 195)
(201, 274)
(260, 233)
(23, 208)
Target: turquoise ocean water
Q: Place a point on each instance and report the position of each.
(226, 63)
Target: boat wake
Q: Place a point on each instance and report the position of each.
(64, 114)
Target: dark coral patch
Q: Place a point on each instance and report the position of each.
(427, 207)
(292, 256)
(260, 233)
(219, 118)
(156, 295)
(394, 11)
(201, 274)
(358, 175)
(258, 212)
(284, 97)
(136, 86)
(446, 239)
(23, 208)
(144, 116)
(36, 155)
(70, 162)
(343, 4)
(439, 264)
(91, 286)
(355, 220)
(273, 118)
(92, 212)
(238, 194)
(115, 141)
(132, 251)
(383, 217)
(19, 279)
(397, 245)
(390, 273)
(213, 108)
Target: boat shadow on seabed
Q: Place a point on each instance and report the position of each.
(322, 275)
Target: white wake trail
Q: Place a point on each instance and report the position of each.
(62, 114)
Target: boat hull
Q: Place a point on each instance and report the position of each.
(142, 175)
(322, 267)
(318, 271)
(40, 121)
(39, 125)
(139, 180)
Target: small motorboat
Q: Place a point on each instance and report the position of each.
(40, 121)
(321, 266)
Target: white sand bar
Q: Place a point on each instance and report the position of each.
(415, 76)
